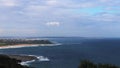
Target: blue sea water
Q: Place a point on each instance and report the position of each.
(71, 51)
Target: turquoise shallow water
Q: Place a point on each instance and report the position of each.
(71, 51)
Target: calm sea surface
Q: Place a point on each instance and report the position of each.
(71, 51)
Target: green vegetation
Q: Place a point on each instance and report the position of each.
(89, 64)
(4, 42)
(1, 44)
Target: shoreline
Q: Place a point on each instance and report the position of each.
(26, 59)
(18, 46)
(25, 45)
(15, 61)
(22, 58)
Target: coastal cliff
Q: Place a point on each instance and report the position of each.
(7, 62)
(15, 61)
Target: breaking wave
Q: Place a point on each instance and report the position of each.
(38, 58)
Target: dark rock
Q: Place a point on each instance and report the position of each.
(7, 62)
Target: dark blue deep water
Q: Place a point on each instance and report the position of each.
(72, 51)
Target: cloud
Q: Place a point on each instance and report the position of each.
(53, 23)
(34, 10)
(104, 0)
(8, 3)
(40, 8)
(106, 17)
(68, 4)
(51, 2)
(77, 16)
(17, 32)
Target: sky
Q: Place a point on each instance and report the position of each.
(80, 18)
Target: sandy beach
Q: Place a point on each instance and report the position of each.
(24, 45)
(18, 46)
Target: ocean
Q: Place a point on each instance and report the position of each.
(71, 51)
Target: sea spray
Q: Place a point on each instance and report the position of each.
(42, 58)
(38, 58)
(27, 62)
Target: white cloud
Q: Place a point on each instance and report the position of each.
(17, 32)
(69, 4)
(87, 5)
(35, 10)
(104, 0)
(53, 23)
(55, 7)
(51, 2)
(106, 17)
(8, 3)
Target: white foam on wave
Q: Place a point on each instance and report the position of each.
(49, 44)
(42, 58)
(26, 62)
(38, 58)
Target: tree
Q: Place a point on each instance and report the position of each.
(89, 64)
